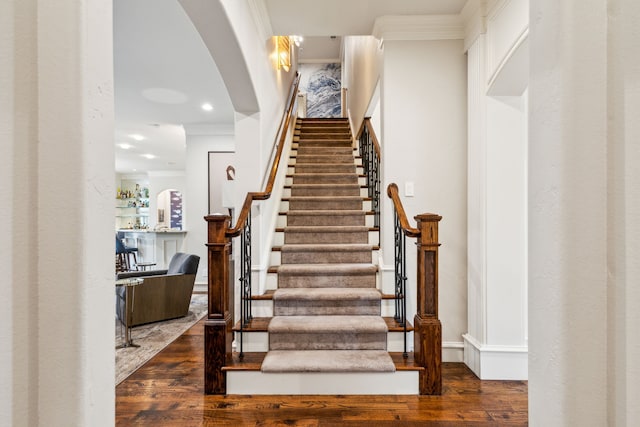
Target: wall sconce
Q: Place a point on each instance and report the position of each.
(283, 51)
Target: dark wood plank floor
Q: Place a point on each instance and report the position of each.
(167, 391)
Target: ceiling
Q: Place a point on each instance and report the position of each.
(164, 73)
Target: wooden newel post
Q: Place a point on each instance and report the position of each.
(218, 334)
(428, 330)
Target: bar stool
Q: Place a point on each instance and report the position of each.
(122, 256)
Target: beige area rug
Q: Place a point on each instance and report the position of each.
(153, 337)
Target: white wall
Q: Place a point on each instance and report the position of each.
(584, 208)
(196, 194)
(423, 113)
(57, 252)
(361, 71)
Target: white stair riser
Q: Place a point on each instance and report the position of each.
(369, 383)
(251, 342)
(262, 308)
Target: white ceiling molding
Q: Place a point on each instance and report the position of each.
(208, 129)
(474, 16)
(261, 18)
(419, 27)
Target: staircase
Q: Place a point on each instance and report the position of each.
(326, 333)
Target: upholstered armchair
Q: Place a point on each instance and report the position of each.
(164, 294)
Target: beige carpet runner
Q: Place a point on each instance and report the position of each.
(326, 308)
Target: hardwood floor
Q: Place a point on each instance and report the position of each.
(168, 391)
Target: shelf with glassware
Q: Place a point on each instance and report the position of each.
(132, 208)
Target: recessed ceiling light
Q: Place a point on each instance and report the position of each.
(125, 146)
(207, 107)
(149, 156)
(136, 136)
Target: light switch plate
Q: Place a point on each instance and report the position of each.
(408, 189)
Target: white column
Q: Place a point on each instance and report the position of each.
(584, 209)
(623, 210)
(495, 344)
(57, 357)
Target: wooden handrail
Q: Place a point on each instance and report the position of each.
(280, 138)
(392, 192)
(376, 145)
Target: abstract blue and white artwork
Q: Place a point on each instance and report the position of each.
(322, 84)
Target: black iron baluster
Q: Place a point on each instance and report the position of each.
(245, 280)
(376, 193)
(400, 279)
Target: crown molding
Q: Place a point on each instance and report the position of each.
(419, 27)
(474, 17)
(261, 18)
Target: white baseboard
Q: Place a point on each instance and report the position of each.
(201, 287)
(452, 351)
(492, 362)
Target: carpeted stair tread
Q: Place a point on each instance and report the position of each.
(326, 234)
(327, 294)
(333, 332)
(328, 361)
(325, 167)
(332, 203)
(326, 275)
(314, 212)
(310, 151)
(327, 269)
(313, 186)
(327, 324)
(324, 158)
(353, 253)
(325, 189)
(319, 142)
(327, 302)
(326, 178)
(326, 198)
(327, 229)
(318, 217)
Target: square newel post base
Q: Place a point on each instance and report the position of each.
(428, 353)
(218, 337)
